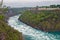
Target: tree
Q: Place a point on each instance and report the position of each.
(53, 6)
(58, 6)
(36, 11)
(1, 3)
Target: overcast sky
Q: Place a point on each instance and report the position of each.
(27, 0)
(24, 3)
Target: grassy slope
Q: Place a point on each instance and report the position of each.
(44, 20)
(6, 32)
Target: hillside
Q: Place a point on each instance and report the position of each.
(43, 20)
(6, 32)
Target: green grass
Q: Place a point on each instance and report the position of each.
(2, 17)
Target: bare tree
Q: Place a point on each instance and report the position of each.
(1, 3)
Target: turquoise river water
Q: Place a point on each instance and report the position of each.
(30, 33)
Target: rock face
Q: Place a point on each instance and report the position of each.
(43, 20)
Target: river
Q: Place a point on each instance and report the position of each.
(30, 33)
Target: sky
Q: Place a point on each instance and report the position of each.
(29, 3)
(26, 0)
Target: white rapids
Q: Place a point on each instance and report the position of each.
(29, 32)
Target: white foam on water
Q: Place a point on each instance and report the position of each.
(27, 30)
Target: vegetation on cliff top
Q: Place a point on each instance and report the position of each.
(43, 20)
